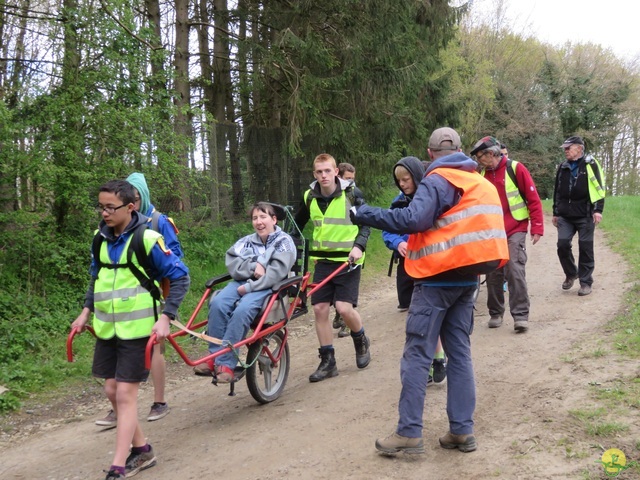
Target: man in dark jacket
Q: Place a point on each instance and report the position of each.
(578, 202)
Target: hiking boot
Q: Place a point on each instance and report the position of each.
(136, 462)
(327, 367)
(109, 421)
(521, 326)
(113, 475)
(204, 369)
(363, 355)
(464, 443)
(584, 290)
(568, 283)
(344, 332)
(158, 411)
(395, 443)
(439, 370)
(495, 321)
(338, 322)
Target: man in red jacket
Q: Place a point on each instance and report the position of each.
(521, 207)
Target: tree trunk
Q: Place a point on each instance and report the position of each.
(182, 99)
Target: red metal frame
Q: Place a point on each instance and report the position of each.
(260, 331)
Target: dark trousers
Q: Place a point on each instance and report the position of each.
(404, 285)
(567, 228)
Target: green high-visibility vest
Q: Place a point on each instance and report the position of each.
(122, 306)
(596, 188)
(517, 203)
(333, 232)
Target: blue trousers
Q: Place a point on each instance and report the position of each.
(446, 312)
(230, 316)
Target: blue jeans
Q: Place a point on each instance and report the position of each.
(230, 316)
(446, 312)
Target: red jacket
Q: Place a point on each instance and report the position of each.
(527, 189)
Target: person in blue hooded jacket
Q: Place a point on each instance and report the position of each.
(408, 174)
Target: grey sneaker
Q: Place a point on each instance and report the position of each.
(568, 283)
(395, 443)
(464, 443)
(136, 462)
(158, 411)
(584, 290)
(109, 421)
(521, 326)
(495, 321)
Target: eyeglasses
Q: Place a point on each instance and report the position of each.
(108, 209)
(479, 156)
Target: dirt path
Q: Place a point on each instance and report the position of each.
(527, 385)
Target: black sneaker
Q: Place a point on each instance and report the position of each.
(439, 370)
(136, 462)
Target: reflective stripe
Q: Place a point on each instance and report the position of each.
(467, 213)
(124, 316)
(118, 294)
(465, 238)
(326, 245)
(337, 221)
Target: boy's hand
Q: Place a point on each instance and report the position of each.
(161, 327)
(355, 254)
(80, 323)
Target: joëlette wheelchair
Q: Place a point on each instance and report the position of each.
(266, 364)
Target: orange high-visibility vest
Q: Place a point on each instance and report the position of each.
(470, 233)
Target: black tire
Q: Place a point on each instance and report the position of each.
(265, 380)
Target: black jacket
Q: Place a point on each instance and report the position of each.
(571, 195)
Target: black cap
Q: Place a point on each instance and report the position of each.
(575, 140)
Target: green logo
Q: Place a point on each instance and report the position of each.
(614, 461)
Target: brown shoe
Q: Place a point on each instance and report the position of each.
(204, 369)
(568, 283)
(584, 290)
(464, 443)
(395, 443)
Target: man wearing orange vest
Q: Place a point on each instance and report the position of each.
(456, 231)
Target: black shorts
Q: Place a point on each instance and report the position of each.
(120, 359)
(344, 287)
